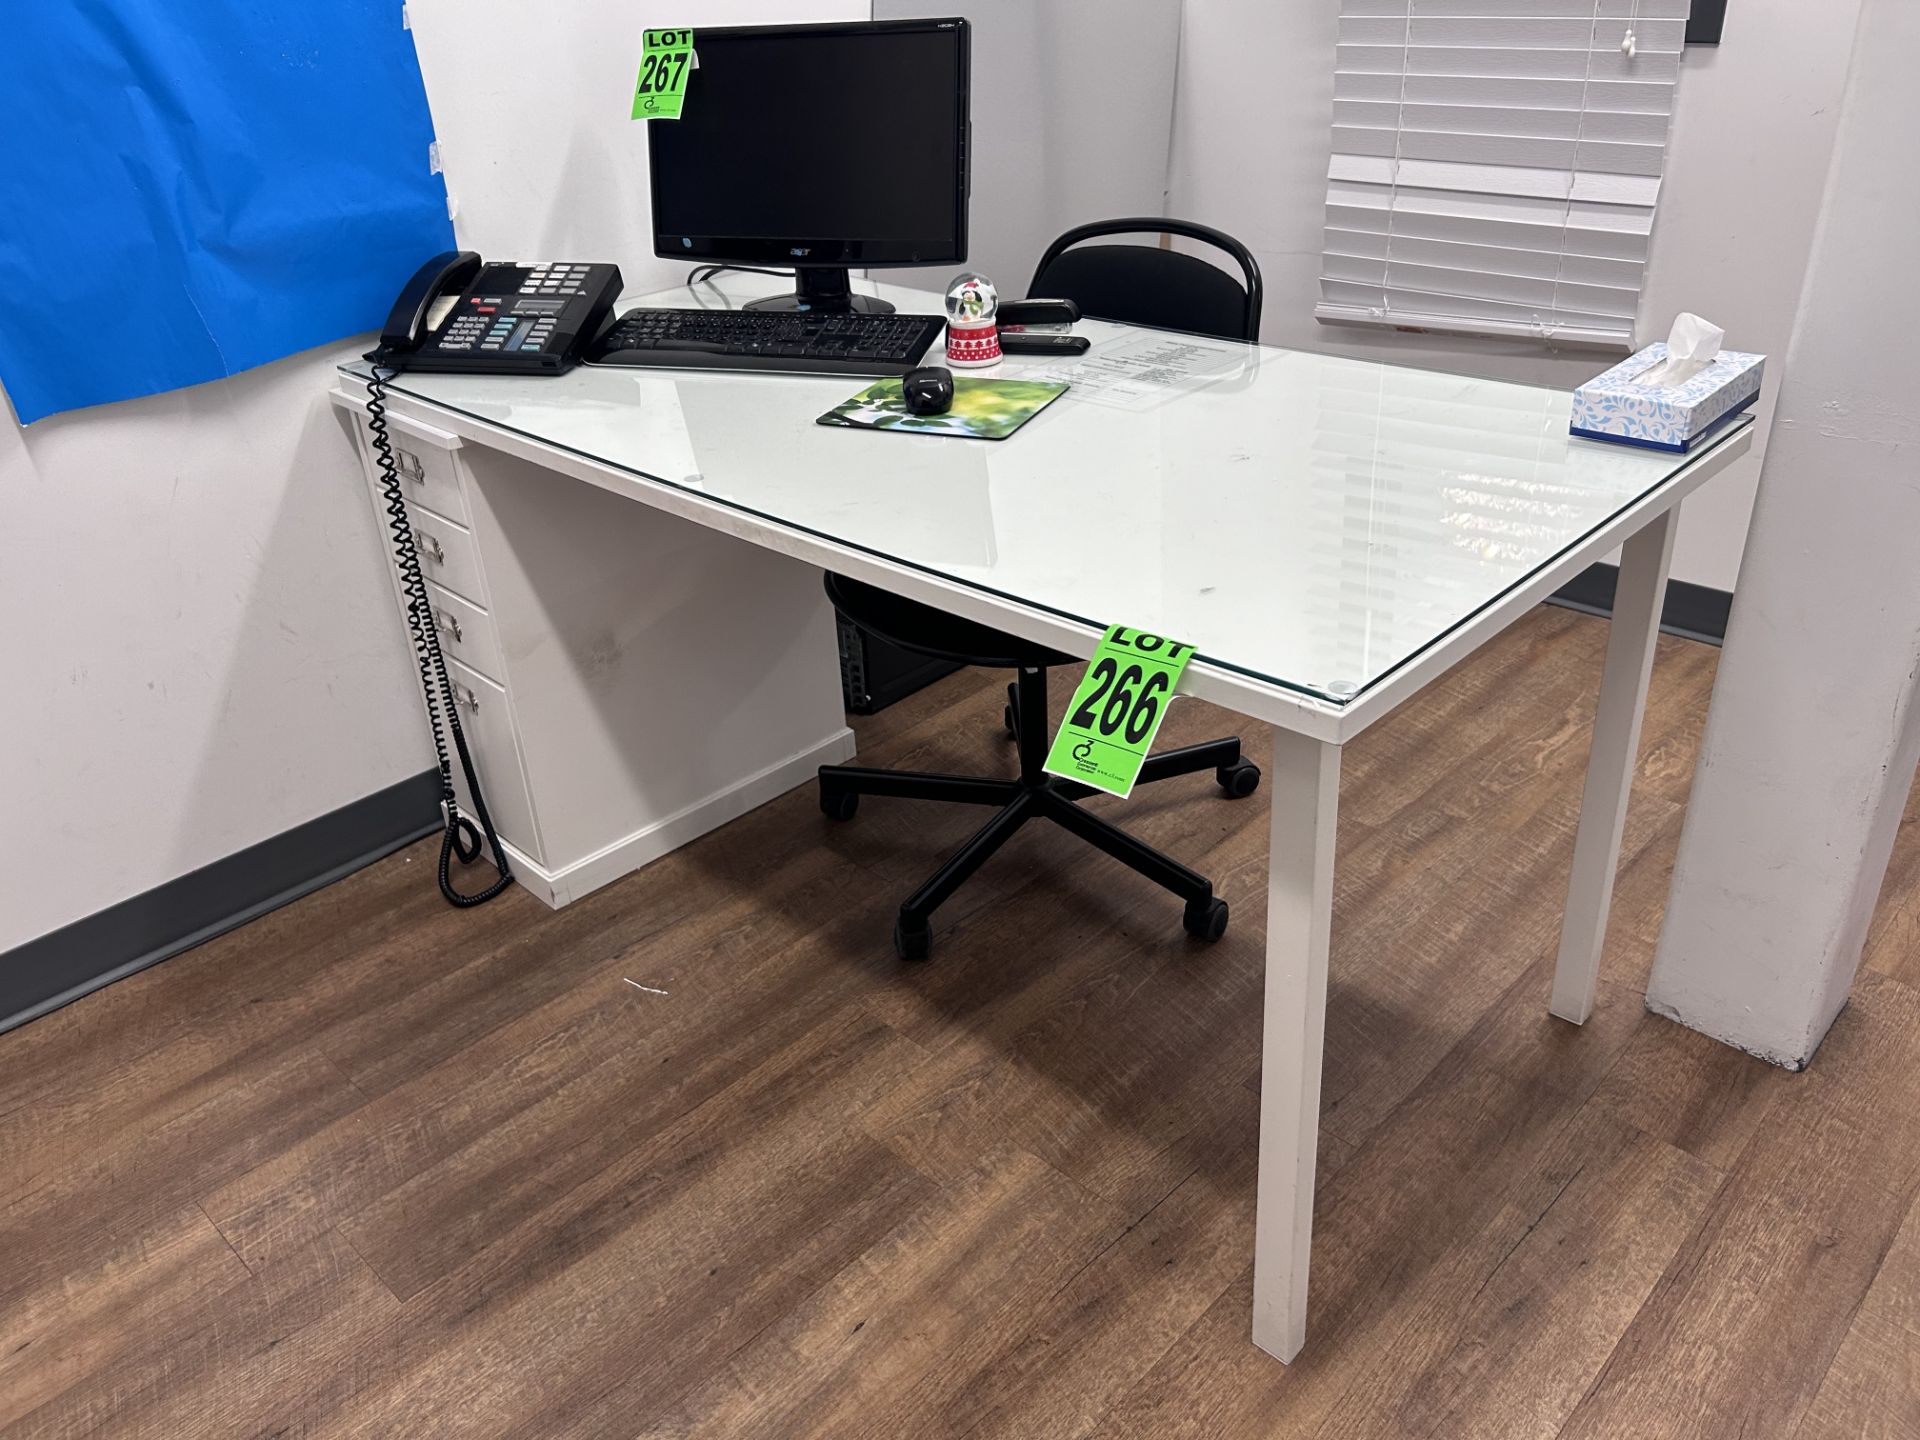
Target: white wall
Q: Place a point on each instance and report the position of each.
(1054, 143)
(198, 645)
(1748, 157)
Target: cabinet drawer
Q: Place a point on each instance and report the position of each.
(466, 632)
(447, 553)
(485, 721)
(429, 469)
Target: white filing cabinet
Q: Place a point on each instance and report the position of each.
(586, 636)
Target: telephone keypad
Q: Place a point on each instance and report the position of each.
(549, 278)
(464, 331)
(527, 325)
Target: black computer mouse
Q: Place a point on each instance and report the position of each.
(928, 390)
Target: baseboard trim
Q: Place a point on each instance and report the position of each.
(1695, 612)
(647, 844)
(59, 967)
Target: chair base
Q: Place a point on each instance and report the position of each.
(1039, 796)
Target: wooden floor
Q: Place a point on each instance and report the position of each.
(375, 1166)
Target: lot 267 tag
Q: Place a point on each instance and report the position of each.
(665, 58)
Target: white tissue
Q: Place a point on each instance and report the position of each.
(1692, 345)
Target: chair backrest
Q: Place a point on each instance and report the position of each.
(1146, 285)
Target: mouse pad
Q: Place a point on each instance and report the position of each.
(982, 409)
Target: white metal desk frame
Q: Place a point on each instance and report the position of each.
(1303, 785)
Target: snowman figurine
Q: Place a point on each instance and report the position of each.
(973, 335)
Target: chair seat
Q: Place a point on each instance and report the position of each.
(928, 631)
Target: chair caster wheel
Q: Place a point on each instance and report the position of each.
(1207, 920)
(912, 944)
(1239, 779)
(838, 804)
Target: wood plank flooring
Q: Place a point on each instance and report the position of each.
(373, 1166)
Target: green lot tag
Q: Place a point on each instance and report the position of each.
(666, 59)
(1117, 710)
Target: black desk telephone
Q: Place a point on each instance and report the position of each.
(460, 315)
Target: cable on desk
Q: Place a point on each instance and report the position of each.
(703, 274)
(461, 837)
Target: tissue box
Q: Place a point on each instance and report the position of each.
(1665, 417)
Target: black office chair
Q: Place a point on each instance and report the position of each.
(1146, 285)
(1140, 284)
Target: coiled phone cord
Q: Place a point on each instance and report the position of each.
(461, 837)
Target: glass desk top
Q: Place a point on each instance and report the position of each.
(1309, 520)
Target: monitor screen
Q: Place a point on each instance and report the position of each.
(818, 145)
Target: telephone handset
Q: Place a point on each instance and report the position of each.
(459, 314)
(422, 304)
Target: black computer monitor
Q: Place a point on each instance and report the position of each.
(818, 147)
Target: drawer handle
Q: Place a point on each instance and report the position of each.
(412, 467)
(464, 695)
(449, 623)
(429, 546)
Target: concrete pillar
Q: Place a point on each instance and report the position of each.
(1813, 733)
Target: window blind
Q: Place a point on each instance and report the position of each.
(1496, 162)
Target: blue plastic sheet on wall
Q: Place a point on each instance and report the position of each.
(192, 187)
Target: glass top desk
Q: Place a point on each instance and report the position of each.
(1329, 534)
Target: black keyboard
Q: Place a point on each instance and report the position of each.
(807, 342)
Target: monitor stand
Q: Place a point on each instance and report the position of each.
(825, 289)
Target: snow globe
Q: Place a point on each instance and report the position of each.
(973, 334)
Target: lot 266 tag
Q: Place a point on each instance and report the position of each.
(1117, 710)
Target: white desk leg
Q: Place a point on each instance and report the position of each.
(1610, 765)
(1305, 790)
